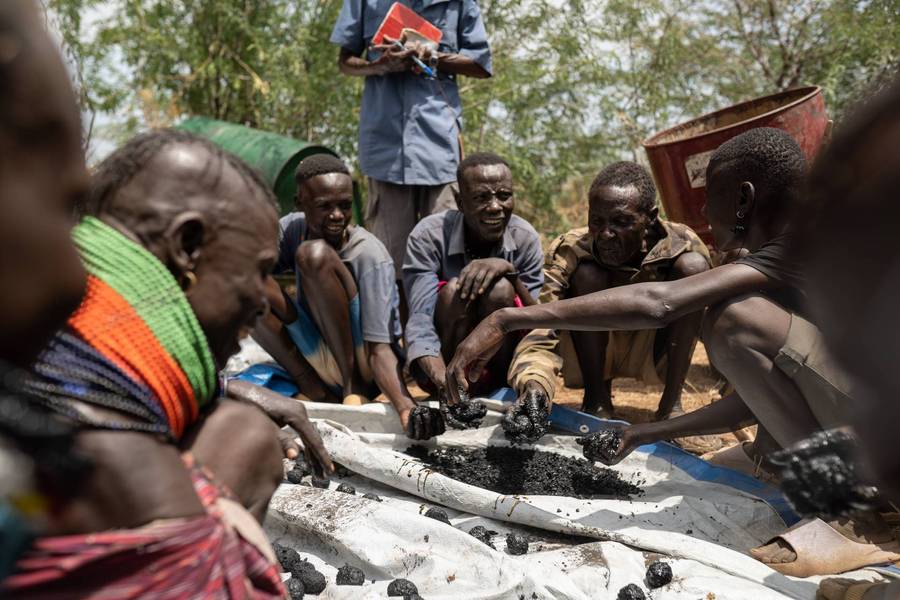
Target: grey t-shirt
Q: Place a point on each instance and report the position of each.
(372, 269)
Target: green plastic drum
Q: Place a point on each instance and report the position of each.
(275, 156)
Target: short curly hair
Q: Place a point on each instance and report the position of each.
(479, 159)
(319, 164)
(120, 167)
(766, 157)
(625, 173)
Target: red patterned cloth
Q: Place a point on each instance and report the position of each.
(170, 559)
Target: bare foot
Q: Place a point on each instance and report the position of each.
(778, 552)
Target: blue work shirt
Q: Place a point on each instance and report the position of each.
(436, 251)
(409, 126)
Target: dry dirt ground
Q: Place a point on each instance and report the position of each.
(636, 402)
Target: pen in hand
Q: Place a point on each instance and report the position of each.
(425, 68)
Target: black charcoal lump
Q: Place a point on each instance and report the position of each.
(350, 575)
(402, 587)
(658, 574)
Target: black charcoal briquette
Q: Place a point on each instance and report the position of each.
(320, 483)
(516, 544)
(294, 476)
(631, 592)
(287, 557)
(313, 581)
(402, 587)
(295, 589)
(372, 497)
(483, 535)
(658, 574)
(346, 488)
(602, 446)
(350, 575)
(438, 515)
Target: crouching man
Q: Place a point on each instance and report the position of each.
(339, 336)
(625, 242)
(462, 265)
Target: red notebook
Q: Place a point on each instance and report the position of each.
(401, 17)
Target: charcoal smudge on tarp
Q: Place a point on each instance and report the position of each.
(508, 470)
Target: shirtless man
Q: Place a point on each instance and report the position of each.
(339, 338)
(625, 242)
(757, 330)
(178, 240)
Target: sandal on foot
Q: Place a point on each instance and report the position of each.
(736, 458)
(355, 400)
(821, 550)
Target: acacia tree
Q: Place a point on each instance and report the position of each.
(261, 63)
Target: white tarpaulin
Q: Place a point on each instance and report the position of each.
(701, 528)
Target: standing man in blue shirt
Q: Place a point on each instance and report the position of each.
(409, 129)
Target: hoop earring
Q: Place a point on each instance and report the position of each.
(189, 280)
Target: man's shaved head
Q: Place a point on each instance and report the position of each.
(121, 166)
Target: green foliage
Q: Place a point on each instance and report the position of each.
(576, 84)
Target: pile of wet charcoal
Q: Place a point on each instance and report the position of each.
(510, 470)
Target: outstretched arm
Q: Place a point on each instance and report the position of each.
(728, 414)
(630, 307)
(286, 412)
(387, 373)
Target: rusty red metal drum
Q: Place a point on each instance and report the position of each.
(678, 156)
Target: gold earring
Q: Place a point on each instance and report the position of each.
(189, 280)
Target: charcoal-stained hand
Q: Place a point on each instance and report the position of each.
(422, 422)
(436, 371)
(527, 420)
(610, 445)
(472, 355)
(477, 276)
(285, 411)
(466, 414)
